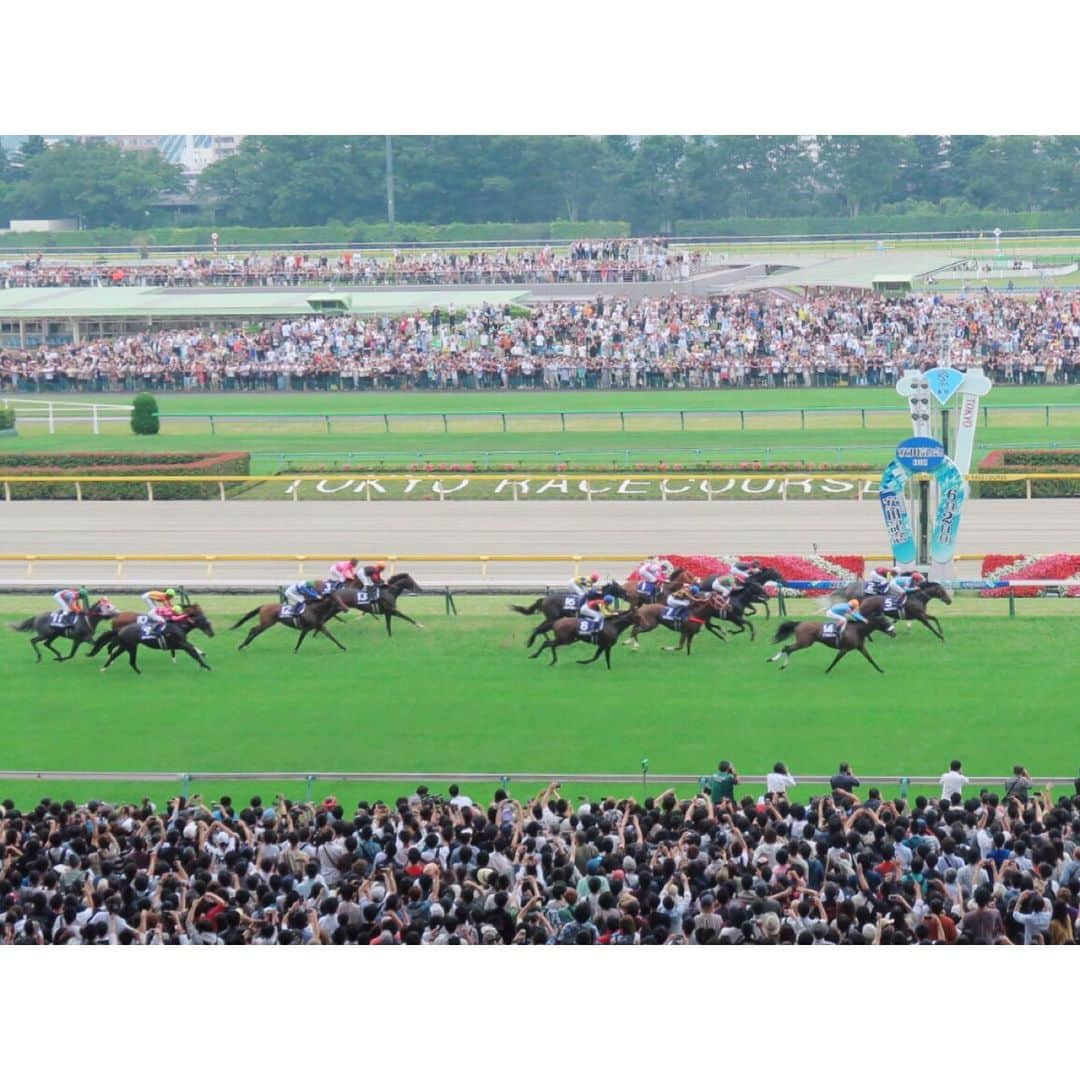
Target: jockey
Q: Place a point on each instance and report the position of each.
(342, 573)
(166, 612)
(296, 593)
(904, 584)
(371, 575)
(156, 598)
(843, 611)
(680, 600)
(877, 581)
(652, 575)
(593, 612)
(73, 601)
(584, 584)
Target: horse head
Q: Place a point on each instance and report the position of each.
(198, 619)
(613, 588)
(934, 590)
(104, 607)
(403, 583)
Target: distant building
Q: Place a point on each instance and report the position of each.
(192, 153)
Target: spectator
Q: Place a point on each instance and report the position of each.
(779, 780)
(723, 782)
(953, 781)
(844, 780)
(1020, 784)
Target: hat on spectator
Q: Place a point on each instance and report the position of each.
(489, 933)
(485, 876)
(628, 863)
(378, 892)
(770, 924)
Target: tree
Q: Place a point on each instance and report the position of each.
(32, 147)
(863, 170)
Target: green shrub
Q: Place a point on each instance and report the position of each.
(144, 416)
(119, 464)
(7, 419)
(1028, 461)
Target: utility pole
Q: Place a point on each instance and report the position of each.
(390, 180)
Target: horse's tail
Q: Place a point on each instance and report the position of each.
(26, 624)
(785, 630)
(532, 609)
(250, 615)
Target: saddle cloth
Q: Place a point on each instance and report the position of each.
(829, 630)
(149, 629)
(588, 629)
(61, 619)
(893, 605)
(290, 611)
(570, 604)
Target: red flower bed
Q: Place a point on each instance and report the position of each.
(792, 567)
(1059, 567)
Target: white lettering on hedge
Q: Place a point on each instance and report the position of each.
(624, 487)
(293, 487)
(668, 490)
(521, 485)
(412, 483)
(834, 487)
(871, 487)
(807, 485)
(708, 489)
(373, 484)
(437, 487)
(324, 490)
(586, 489)
(769, 482)
(553, 485)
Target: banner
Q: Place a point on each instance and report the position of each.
(951, 495)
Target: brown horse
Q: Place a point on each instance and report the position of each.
(555, 607)
(385, 603)
(312, 619)
(679, 577)
(650, 616)
(565, 632)
(914, 607)
(174, 636)
(810, 633)
(76, 630)
(199, 621)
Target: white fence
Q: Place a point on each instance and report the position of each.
(35, 411)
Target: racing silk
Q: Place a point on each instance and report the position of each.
(580, 586)
(169, 612)
(652, 572)
(72, 600)
(372, 576)
(342, 571)
(154, 599)
(904, 584)
(845, 611)
(874, 578)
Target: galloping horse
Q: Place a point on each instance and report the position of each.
(129, 638)
(199, 621)
(80, 630)
(914, 607)
(757, 577)
(635, 597)
(565, 632)
(694, 619)
(737, 609)
(312, 619)
(853, 639)
(554, 607)
(386, 601)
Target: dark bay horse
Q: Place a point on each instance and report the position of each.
(810, 633)
(130, 638)
(650, 616)
(78, 631)
(199, 621)
(312, 619)
(737, 609)
(386, 602)
(635, 597)
(757, 577)
(554, 607)
(565, 632)
(914, 607)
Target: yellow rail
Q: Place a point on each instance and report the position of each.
(511, 474)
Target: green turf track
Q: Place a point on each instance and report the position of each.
(462, 695)
(827, 437)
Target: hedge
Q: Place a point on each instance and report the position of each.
(701, 468)
(7, 419)
(1026, 461)
(984, 221)
(358, 232)
(117, 464)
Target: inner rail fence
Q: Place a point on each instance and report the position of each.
(644, 778)
(52, 413)
(514, 483)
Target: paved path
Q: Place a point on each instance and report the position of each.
(637, 528)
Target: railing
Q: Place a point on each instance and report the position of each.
(54, 412)
(514, 481)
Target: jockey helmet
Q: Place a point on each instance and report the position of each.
(916, 576)
(882, 570)
(170, 593)
(695, 589)
(380, 566)
(594, 576)
(609, 599)
(853, 604)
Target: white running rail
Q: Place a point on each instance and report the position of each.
(35, 410)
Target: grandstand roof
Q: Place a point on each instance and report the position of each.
(151, 303)
(859, 271)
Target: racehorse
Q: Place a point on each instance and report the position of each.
(739, 606)
(385, 602)
(913, 607)
(635, 597)
(312, 619)
(199, 621)
(78, 631)
(174, 636)
(809, 633)
(756, 577)
(650, 616)
(554, 607)
(565, 632)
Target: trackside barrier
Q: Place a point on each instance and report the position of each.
(54, 412)
(513, 478)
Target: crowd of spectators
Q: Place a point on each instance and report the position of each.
(756, 340)
(722, 868)
(607, 261)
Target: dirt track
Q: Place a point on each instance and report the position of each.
(285, 528)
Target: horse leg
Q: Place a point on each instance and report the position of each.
(925, 620)
(48, 643)
(132, 650)
(300, 639)
(33, 644)
(934, 619)
(595, 656)
(862, 649)
(74, 648)
(252, 634)
(716, 631)
(784, 655)
(194, 654)
(395, 614)
(840, 654)
(322, 629)
(106, 639)
(553, 645)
